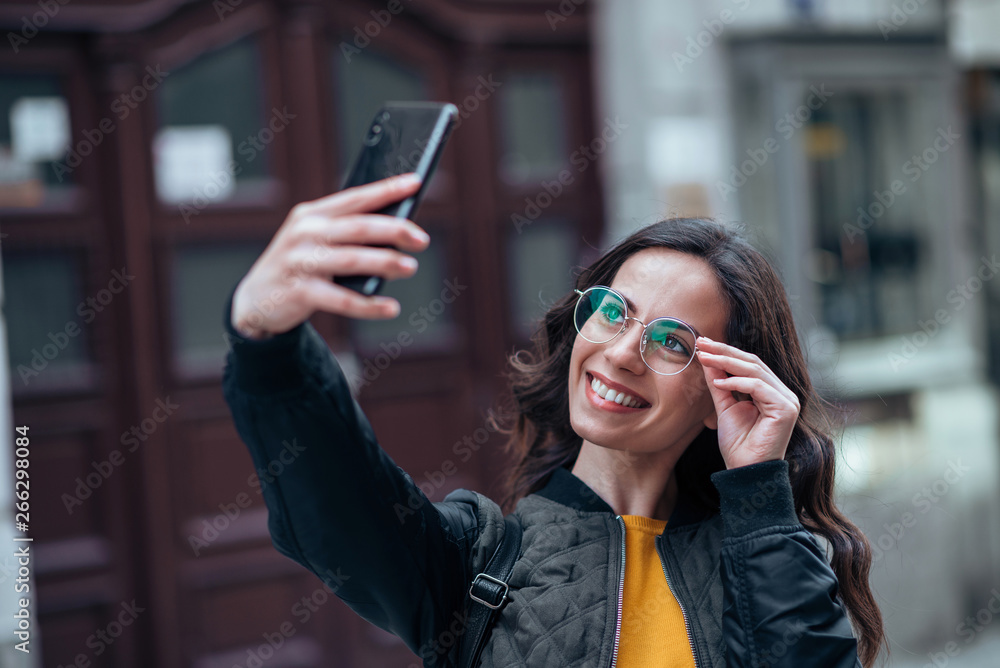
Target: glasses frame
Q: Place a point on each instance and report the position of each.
(645, 327)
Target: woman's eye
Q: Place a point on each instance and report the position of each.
(611, 313)
(673, 344)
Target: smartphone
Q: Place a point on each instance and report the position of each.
(403, 137)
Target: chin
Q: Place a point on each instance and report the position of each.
(600, 437)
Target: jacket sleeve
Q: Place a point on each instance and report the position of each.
(337, 503)
(780, 603)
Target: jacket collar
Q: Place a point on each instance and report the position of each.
(565, 488)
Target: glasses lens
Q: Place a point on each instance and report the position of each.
(668, 345)
(600, 315)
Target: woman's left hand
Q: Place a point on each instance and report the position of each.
(749, 431)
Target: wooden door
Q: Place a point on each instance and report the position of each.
(166, 560)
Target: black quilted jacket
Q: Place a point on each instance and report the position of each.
(754, 586)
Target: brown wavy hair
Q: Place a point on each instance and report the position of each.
(540, 437)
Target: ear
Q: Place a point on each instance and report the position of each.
(712, 420)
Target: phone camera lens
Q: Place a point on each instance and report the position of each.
(374, 135)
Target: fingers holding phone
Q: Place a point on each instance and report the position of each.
(402, 136)
(373, 196)
(322, 239)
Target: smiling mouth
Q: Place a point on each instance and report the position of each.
(620, 398)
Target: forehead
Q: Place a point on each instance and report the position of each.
(665, 282)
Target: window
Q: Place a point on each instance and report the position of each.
(426, 318)
(869, 194)
(214, 138)
(201, 280)
(533, 127)
(36, 167)
(48, 320)
(362, 86)
(539, 265)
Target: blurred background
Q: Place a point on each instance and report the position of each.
(150, 149)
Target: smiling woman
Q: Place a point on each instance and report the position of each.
(687, 438)
(665, 521)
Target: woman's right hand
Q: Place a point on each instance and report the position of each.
(326, 237)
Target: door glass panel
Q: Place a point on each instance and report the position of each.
(870, 217)
(214, 138)
(48, 321)
(426, 318)
(201, 280)
(363, 83)
(532, 127)
(35, 170)
(540, 260)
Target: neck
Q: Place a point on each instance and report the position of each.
(631, 483)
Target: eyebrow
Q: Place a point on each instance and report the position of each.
(629, 302)
(631, 306)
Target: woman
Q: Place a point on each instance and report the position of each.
(665, 421)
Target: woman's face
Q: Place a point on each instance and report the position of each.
(674, 409)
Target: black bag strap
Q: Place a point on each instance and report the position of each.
(489, 592)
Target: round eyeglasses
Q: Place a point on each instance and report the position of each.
(667, 345)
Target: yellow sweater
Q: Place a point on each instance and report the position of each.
(653, 631)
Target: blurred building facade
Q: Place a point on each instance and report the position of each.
(149, 150)
(858, 143)
(148, 153)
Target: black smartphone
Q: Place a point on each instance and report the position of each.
(403, 137)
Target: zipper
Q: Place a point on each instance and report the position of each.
(621, 591)
(687, 623)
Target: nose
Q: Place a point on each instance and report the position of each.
(623, 350)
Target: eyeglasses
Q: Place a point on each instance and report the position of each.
(667, 345)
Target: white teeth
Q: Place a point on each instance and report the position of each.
(608, 394)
